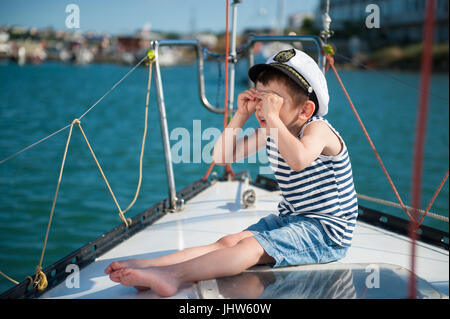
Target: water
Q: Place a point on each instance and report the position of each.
(38, 100)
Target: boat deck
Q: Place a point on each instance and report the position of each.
(217, 211)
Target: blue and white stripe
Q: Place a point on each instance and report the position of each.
(323, 190)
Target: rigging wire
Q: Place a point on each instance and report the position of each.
(8, 278)
(392, 77)
(40, 279)
(34, 144)
(228, 168)
(424, 213)
(391, 183)
(427, 210)
(227, 52)
(83, 115)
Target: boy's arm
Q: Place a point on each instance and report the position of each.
(317, 137)
(249, 145)
(300, 153)
(228, 149)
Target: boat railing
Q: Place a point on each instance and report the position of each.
(196, 46)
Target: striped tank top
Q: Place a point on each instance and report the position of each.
(323, 190)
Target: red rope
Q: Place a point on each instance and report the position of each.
(426, 66)
(331, 64)
(229, 170)
(227, 52)
(205, 177)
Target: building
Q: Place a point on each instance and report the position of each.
(295, 21)
(401, 21)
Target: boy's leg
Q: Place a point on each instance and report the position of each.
(166, 280)
(179, 256)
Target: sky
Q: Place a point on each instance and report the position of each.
(126, 16)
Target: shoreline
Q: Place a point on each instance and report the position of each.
(345, 66)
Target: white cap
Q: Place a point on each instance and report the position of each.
(303, 70)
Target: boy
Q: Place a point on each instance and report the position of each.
(310, 161)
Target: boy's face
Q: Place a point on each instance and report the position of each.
(287, 110)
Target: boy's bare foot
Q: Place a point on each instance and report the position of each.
(115, 276)
(156, 279)
(129, 263)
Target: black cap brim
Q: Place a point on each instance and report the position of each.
(255, 70)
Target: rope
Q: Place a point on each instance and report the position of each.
(239, 51)
(228, 169)
(227, 53)
(121, 213)
(331, 64)
(143, 137)
(388, 203)
(40, 280)
(392, 204)
(113, 87)
(34, 144)
(103, 174)
(391, 77)
(427, 212)
(205, 177)
(56, 192)
(84, 114)
(419, 145)
(9, 278)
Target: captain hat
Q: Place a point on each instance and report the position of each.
(303, 70)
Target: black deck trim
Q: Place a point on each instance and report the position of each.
(267, 183)
(86, 255)
(401, 226)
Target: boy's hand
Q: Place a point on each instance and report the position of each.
(270, 105)
(247, 101)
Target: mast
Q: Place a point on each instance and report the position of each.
(232, 57)
(326, 33)
(419, 145)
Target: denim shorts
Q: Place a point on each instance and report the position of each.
(295, 240)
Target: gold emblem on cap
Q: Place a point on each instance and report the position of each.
(284, 56)
(294, 72)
